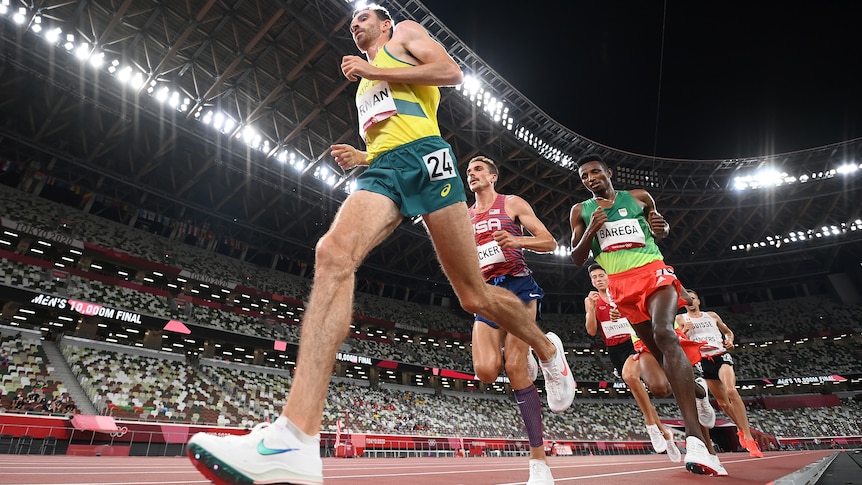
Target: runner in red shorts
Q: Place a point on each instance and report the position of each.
(620, 229)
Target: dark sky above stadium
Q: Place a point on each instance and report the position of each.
(678, 79)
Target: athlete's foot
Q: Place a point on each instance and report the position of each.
(656, 437)
(750, 445)
(532, 366)
(705, 413)
(753, 449)
(672, 451)
(559, 382)
(718, 467)
(269, 454)
(697, 457)
(540, 473)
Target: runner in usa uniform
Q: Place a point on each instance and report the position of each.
(602, 317)
(619, 228)
(410, 171)
(498, 220)
(717, 366)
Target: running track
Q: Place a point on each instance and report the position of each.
(605, 470)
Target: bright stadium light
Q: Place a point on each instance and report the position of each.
(124, 74)
(20, 16)
(137, 80)
(97, 59)
(162, 94)
(83, 51)
(847, 168)
(53, 35)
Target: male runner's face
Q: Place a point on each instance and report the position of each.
(366, 28)
(599, 280)
(695, 302)
(479, 176)
(595, 177)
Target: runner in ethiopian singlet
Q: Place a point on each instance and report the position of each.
(625, 241)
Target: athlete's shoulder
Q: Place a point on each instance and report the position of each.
(408, 29)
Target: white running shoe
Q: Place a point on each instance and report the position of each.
(540, 473)
(559, 381)
(719, 468)
(657, 438)
(705, 413)
(672, 451)
(532, 366)
(269, 454)
(697, 457)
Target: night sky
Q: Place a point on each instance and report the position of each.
(679, 79)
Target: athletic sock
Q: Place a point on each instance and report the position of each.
(309, 440)
(530, 406)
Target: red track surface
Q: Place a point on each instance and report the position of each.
(605, 470)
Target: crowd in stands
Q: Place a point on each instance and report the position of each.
(150, 385)
(27, 383)
(166, 387)
(777, 359)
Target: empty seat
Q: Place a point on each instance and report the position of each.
(49, 444)
(22, 447)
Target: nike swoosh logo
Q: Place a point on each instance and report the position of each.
(533, 295)
(264, 450)
(565, 367)
(519, 402)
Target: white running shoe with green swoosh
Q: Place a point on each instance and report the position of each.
(269, 454)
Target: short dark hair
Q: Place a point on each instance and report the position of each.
(382, 12)
(492, 166)
(592, 157)
(594, 267)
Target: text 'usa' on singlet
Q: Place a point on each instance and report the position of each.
(494, 260)
(625, 241)
(394, 114)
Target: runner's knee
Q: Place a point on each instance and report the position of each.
(476, 302)
(665, 338)
(487, 372)
(333, 255)
(631, 376)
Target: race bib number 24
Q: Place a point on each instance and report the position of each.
(440, 165)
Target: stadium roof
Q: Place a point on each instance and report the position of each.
(222, 113)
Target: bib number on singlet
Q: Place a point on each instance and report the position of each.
(440, 165)
(622, 234)
(490, 253)
(615, 328)
(375, 105)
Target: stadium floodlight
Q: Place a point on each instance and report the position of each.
(124, 74)
(97, 59)
(36, 26)
(174, 100)
(470, 86)
(847, 168)
(137, 80)
(20, 16)
(53, 35)
(83, 51)
(162, 94)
